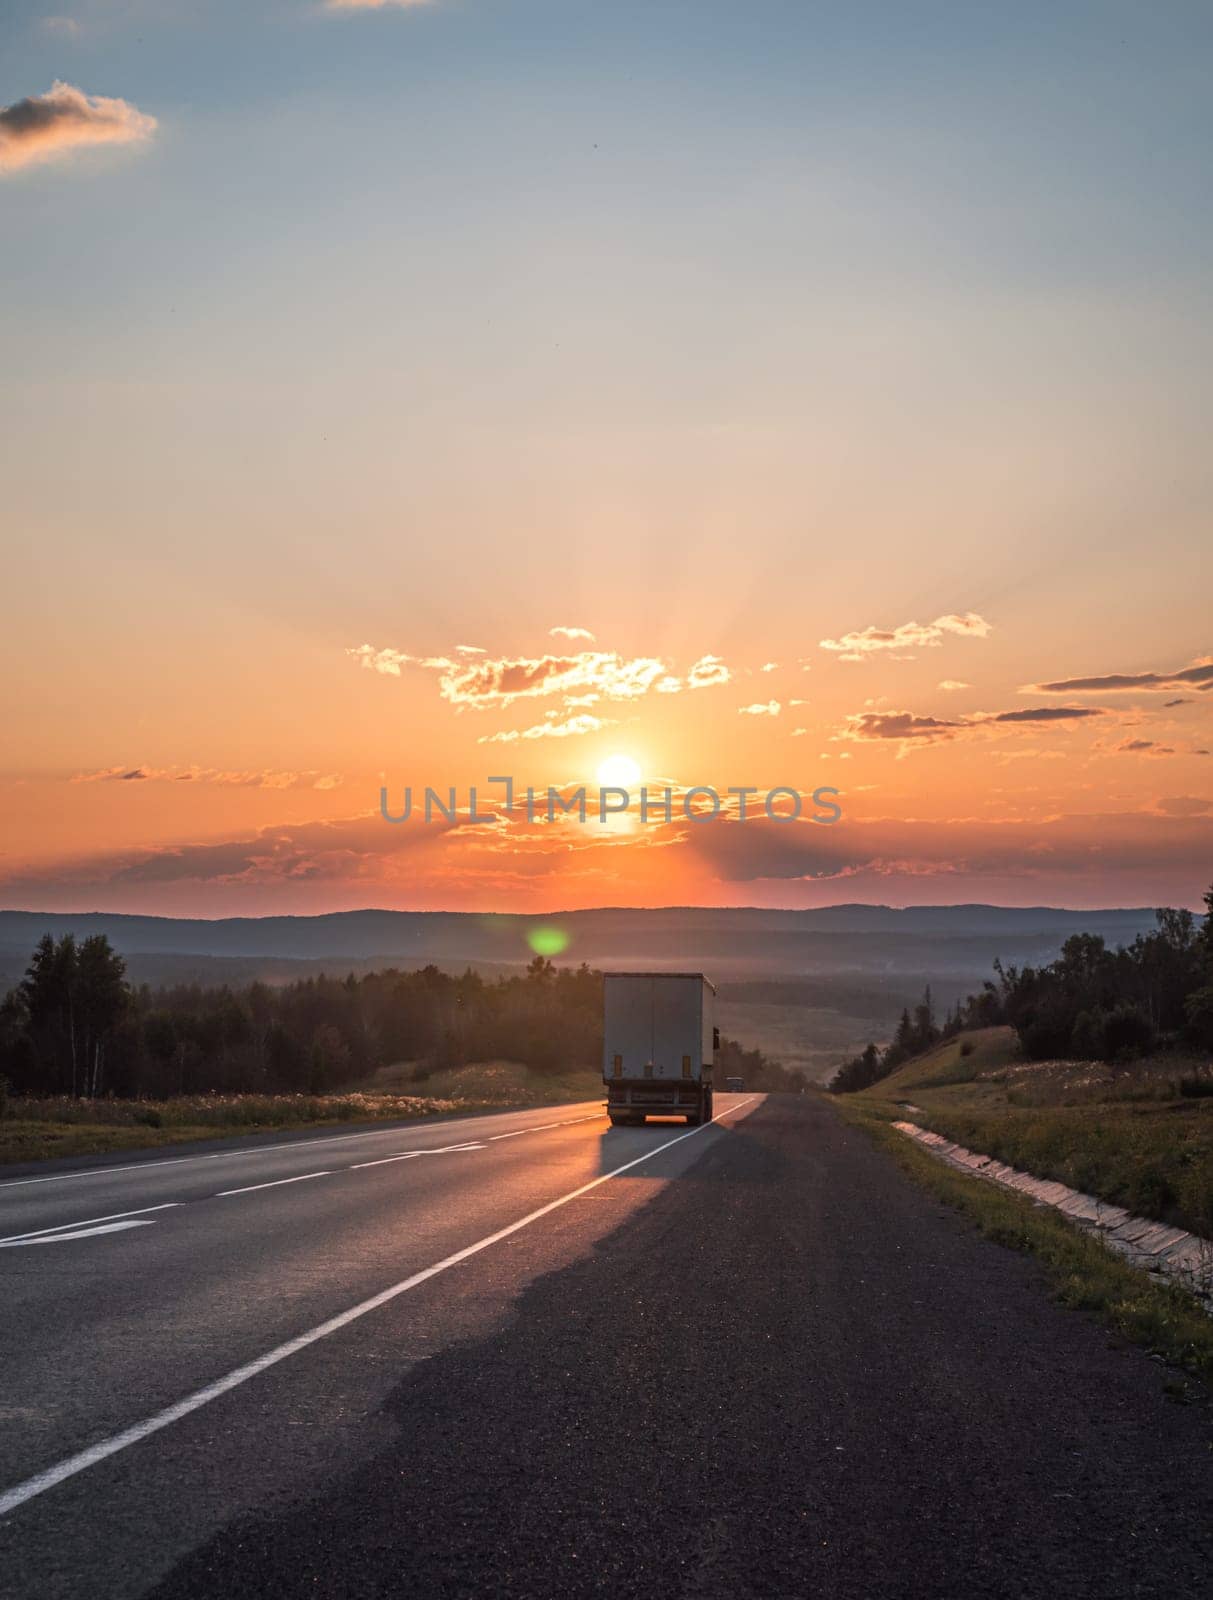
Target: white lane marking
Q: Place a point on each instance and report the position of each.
(80, 1233)
(260, 1150)
(71, 1465)
(411, 1155)
(275, 1183)
(87, 1222)
(541, 1127)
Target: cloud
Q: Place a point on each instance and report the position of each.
(769, 666)
(899, 725)
(267, 779)
(1130, 857)
(1143, 747)
(61, 27)
(768, 708)
(1185, 805)
(906, 727)
(1070, 847)
(740, 852)
(49, 126)
(571, 727)
(857, 646)
(499, 681)
(1043, 714)
(572, 633)
(477, 680)
(948, 685)
(1167, 704)
(707, 672)
(1199, 675)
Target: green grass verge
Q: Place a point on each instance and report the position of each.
(1138, 1135)
(1156, 1160)
(1081, 1272)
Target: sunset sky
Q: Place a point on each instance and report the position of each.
(764, 394)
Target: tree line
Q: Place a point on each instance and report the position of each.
(75, 1026)
(1091, 1003)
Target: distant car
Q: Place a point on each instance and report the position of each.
(734, 1085)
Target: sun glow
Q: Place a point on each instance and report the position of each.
(619, 772)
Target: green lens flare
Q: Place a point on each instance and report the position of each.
(547, 941)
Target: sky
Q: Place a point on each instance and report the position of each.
(699, 394)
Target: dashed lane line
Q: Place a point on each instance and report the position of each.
(234, 1155)
(20, 1493)
(276, 1183)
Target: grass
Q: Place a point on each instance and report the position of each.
(501, 1083)
(38, 1129)
(1139, 1136)
(1081, 1271)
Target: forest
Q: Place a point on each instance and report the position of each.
(74, 1026)
(1090, 1004)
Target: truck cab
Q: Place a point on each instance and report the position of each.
(659, 1042)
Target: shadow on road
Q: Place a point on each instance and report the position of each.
(618, 1146)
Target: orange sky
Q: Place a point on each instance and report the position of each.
(408, 394)
(956, 782)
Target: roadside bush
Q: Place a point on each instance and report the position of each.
(1127, 1031)
(1087, 1039)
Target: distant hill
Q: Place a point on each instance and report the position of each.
(956, 942)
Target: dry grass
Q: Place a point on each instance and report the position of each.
(493, 1083)
(36, 1129)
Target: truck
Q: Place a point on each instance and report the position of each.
(659, 1040)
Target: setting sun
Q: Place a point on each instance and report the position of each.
(619, 772)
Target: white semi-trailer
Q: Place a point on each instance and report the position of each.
(658, 1045)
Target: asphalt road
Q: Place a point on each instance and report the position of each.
(754, 1362)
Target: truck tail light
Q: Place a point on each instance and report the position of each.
(648, 1069)
(617, 1066)
(686, 1066)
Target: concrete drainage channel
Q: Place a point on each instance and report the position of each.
(1153, 1246)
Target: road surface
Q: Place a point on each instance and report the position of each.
(531, 1355)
